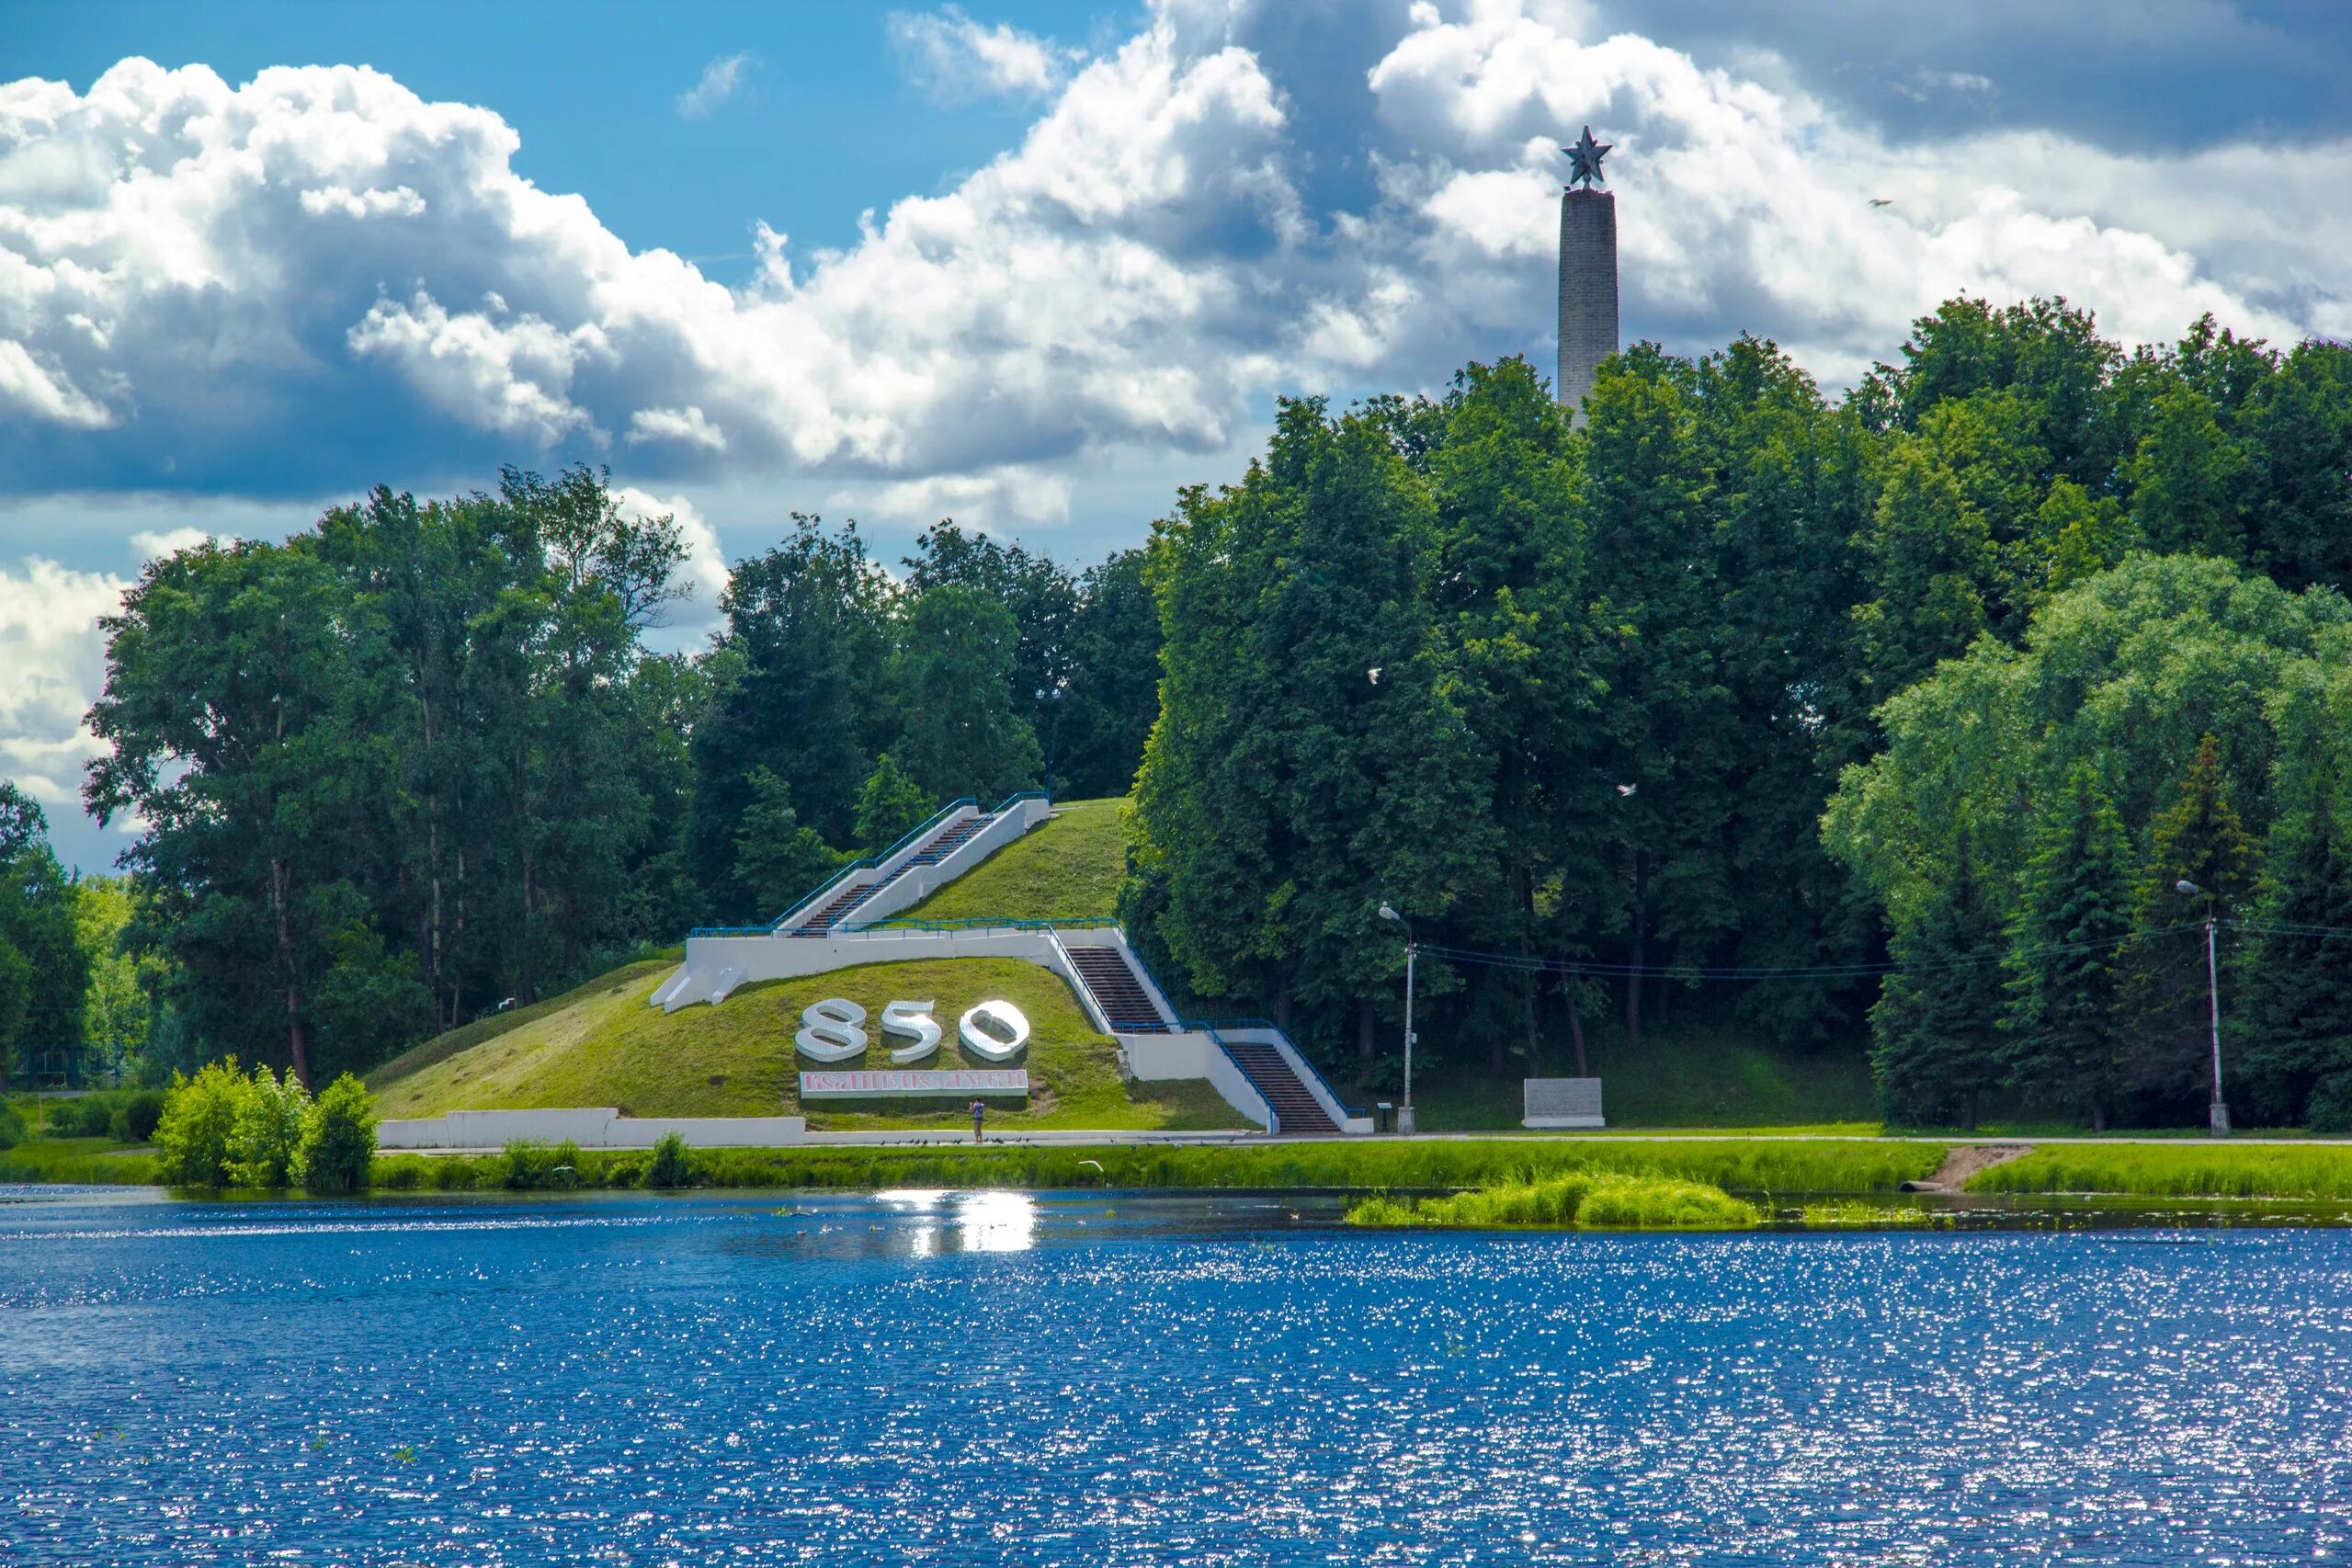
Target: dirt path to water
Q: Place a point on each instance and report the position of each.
(1964, 1161)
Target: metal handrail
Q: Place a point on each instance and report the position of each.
(1273, 1116)
(870, 861)
(1210, 1025)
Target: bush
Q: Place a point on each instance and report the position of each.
(134, 1120)
(200, 1118)
(269, 1130)
(669, 1166)
(534, 1167)
(2331, 1107)
(400, 1173)
(452, 1175)
(12, 1126)
(339, 1138)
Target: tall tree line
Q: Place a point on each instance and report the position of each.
(1590, 694)
(1732, 696)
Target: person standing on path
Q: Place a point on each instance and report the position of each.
(979, 1112)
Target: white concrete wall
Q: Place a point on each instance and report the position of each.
(1160, 1058)
(924, 880)
(591, 1127)
(1307, 1075)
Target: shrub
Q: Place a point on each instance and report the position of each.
(531, 1167)
(669, 1166)
(199, 1118)
(134, 1120)
(400, 1173)
(269, 1130)
(2331, 1107)
(452, 1174)
(12, 1126)
(339, 1138)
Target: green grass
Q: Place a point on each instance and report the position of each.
(1850, 1214)
(1068, 867)
(1822, 1168)
(605, 1045)
(1604, 1200)
(2200, 1170)
(1683, 1076)
(87, 1160)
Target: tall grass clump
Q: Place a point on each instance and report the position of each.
(1846, 1214)
(1605, 1200)
(669, 1166)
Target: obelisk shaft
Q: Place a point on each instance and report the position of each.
(1588, 292)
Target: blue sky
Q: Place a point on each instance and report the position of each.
(1030, 265)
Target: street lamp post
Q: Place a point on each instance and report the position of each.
(1405, 1112)
(2218, 1113)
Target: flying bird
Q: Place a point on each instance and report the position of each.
(1882, 202)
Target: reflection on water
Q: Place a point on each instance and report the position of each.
(1221, 1378)
(970, 1222)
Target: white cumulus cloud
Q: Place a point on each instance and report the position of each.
(958, 60)
(52, 665)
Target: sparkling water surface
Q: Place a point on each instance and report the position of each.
(945, 1378)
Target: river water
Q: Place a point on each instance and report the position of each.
(1094, 1378)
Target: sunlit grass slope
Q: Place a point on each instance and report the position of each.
(606, 1045)
(1069, 866)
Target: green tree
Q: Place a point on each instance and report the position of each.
(796, 686)
(118, 1011)
(2293, 1021)
(1936, 1048)
(194, 1138)
(1932, 569)
(338, 1139)
(2198, 840)
(268, 1130)
(2185, 479)
(960, 732)
(44, 973)
(778, 857)
(890, 805)
(2074, 915)
(1097, 726)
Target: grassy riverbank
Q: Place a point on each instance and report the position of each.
(2175, 1170)
(91, 1161)
(1854, 1166)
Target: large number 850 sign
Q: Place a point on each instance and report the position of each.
(830, 1031)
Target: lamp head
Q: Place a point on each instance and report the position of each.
(1388, 914)
(2186, 886)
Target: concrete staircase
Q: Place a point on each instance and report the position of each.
(1118, 992)
(1297, 1111)
(846, 902)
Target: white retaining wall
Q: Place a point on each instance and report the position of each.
(591, 1127)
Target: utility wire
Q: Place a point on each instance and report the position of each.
(1816, 972)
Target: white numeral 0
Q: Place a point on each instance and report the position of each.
(1007, 1017)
